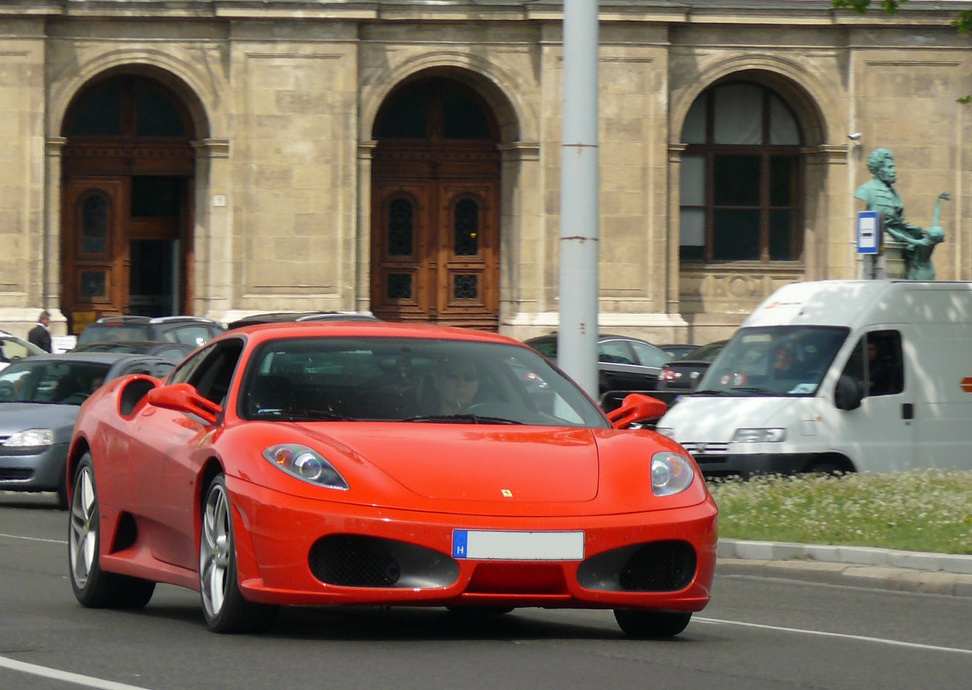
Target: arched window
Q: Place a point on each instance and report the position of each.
(741, 177)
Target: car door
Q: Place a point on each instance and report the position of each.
(880, 434)
(171, 448)
(620, 370)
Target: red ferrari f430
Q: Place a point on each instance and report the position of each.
(363, 463)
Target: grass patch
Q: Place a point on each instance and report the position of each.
(927, 510)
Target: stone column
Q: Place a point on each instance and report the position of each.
(362, 248)
(214, 273)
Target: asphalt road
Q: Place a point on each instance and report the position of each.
(757, 633)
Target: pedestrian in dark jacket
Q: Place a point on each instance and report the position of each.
(39, 335)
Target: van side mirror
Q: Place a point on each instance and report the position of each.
(848, 394)
(634, 408)
(181, 397)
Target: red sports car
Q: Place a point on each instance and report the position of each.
(374, 463)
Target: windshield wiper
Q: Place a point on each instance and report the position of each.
(303, 416)
(460, 419)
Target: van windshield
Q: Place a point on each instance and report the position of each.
(774, 360)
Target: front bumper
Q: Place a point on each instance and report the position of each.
(33, 469)
(661, 559)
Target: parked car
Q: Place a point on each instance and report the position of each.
(382, 464)
(191, 330)
(40, 397)
(174, 352)
(13, 348)
(677, 350)
(682, 376)
(625, 365)
(282, 316)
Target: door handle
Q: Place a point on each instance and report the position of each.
(907, 411)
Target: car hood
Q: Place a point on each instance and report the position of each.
(478, 462)
(709, 419)
(19, 416)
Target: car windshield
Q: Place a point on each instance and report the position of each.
(61, 383)
(410, 380)
(775, 360)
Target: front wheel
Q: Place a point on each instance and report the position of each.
(224, 607)
(92, 586)
(645, 624)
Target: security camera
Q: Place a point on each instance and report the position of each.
(855, 137)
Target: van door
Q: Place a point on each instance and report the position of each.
(880, 434)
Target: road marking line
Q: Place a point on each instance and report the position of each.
(844, 636)
(46, 541)
(76, 679)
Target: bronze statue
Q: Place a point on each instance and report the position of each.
(880, 195)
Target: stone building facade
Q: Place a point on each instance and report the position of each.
(223, 157)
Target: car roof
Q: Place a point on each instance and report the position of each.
(95, 357)
(351, 329)
(287, 316)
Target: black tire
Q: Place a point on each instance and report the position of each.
(92, 586)
(645, 624)
(225, 609)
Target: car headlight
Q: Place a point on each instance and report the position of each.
(305, 463)
(671, 473)
(666, 431)
(759, 436)
(30, 438)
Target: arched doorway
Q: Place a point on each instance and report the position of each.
(126, 241)
(435, 207)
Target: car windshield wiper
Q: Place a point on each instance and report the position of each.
(735, 390)
(303, 416)
(460, 419)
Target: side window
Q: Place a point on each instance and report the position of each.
(211, 371)
(614, 352)
(885, 369)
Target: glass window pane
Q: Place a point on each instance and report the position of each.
(735, 235)
(692, 227)
(783, 180)
(462, 117)
(405, 117)
(93, 284)
(466, 228)
(781, 236)
(783, 128)
(693, 129)
(399, 286)
(738, 114)
(465, 286)
(692, 182)
(99, 114)
(401, 228)
(94, 224)
(156, 114)
(736, 180)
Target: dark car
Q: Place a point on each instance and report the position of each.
(677, 350)
(682, 376)
(191, 330)
(40, 397)
(625, 365)
(174, 352)
(285, 316)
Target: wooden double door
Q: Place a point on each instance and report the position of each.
(124, 247)
(435, 244)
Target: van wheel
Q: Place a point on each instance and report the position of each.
(830, 467)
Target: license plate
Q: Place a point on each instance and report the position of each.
(517, 546)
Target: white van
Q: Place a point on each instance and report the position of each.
(838, 375)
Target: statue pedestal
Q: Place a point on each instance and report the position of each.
(894, 265)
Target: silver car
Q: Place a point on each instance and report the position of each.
(40, 398)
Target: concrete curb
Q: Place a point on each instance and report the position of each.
(908, 571)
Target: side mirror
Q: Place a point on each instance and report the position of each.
(181, 397)
(635, 408)
(848, 394)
